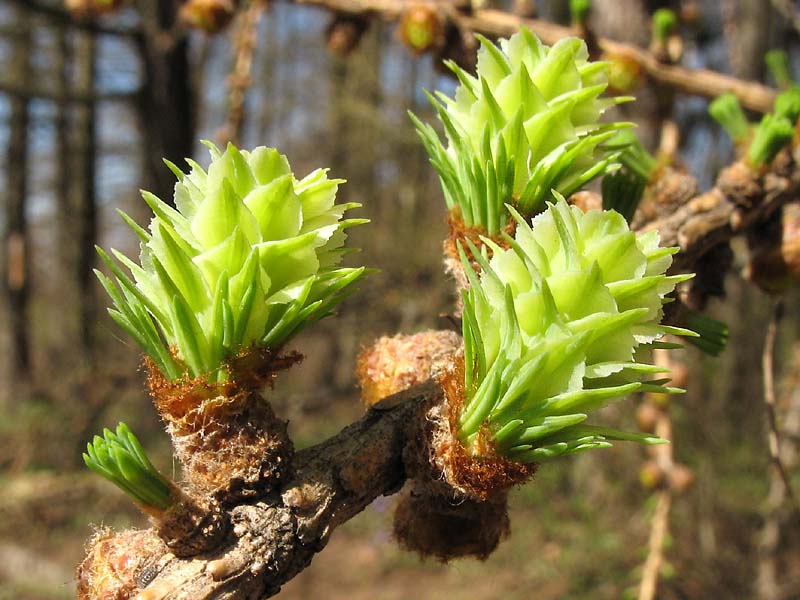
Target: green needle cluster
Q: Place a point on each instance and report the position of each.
(248, 257)
(623, 189)
(554, 327)
(120, 458)
(525, 124)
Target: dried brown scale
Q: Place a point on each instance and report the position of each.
(436, 457)
(586, 200)
(113, 563)
(445, 528)
(393, 364)
(459, 232)
(226, 435)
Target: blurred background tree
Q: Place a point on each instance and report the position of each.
(91, 102)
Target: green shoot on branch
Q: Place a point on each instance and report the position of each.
(554, 329)
(727, 111)
(525, 124)
(665, 23)
(120, 458)
(248, 257)
(771, 135)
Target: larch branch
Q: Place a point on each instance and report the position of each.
(496, 23)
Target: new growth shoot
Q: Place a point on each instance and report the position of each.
(248, 257)
(120, 458)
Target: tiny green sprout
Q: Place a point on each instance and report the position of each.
(526, 123)
(727, 111)
(665, 23)
(771, 135)
(778, 65)
(555, 328)
(579, 11)
(248, 257)
(120, 458)
(787, 104)
(712, 334)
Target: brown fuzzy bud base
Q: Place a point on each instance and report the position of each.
(459, 232)
(444, 528)
(226, 436)
(394, 364)
(117, 564)
(442, 462)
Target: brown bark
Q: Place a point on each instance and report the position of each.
(275, 538)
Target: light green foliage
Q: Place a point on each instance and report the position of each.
(727, 111)
(248, 258)
(120, 458)
(553, 329)
(525, 125)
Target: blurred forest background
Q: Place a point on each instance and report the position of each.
(88, 106)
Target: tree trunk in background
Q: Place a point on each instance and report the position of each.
(167, 104)
(84, 195)
(16, 271)
(747, 29)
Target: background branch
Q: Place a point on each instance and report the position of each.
(496, 23)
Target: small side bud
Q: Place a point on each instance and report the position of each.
(651, 476)
(120, 458)
(624, 73)
(680, 479)
(647, 417)
(665, 23)
(778, 66)
(727, 111)
(421, 28)
(771, 135)
(92, 8)
(579, 12)
(211, 16)
(787, 104)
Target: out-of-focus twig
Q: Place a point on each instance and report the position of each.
(663, 457)
(789, 11)
(496, 23)
(767, 363)
(655, 556)
(239, 80)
